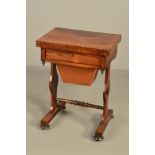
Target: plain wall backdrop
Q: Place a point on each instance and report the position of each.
(107, 16)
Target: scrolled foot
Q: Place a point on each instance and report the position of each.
(98, 137)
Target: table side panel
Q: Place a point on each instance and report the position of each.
(68, 58)
(72, 57)
(76, 59)
(112, 56)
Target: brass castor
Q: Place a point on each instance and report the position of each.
(98, 137)
(112, 116)
(44, 127)
(64, 107)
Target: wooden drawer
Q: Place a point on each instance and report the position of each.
(72, 57)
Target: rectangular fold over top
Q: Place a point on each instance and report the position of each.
(79, 41)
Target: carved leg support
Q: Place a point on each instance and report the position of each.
(107, 113)
(55, 107)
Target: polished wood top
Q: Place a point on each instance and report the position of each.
(79, 41)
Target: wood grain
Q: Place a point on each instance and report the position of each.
(72, 57)
(78, 55)
(79, 41)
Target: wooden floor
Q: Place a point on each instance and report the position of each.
(72, 131)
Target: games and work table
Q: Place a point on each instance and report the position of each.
(78, 55)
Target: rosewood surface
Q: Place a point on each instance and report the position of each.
(78, 55)
(79, 41)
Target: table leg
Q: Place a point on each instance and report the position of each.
(107, 113)
(55, 107)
